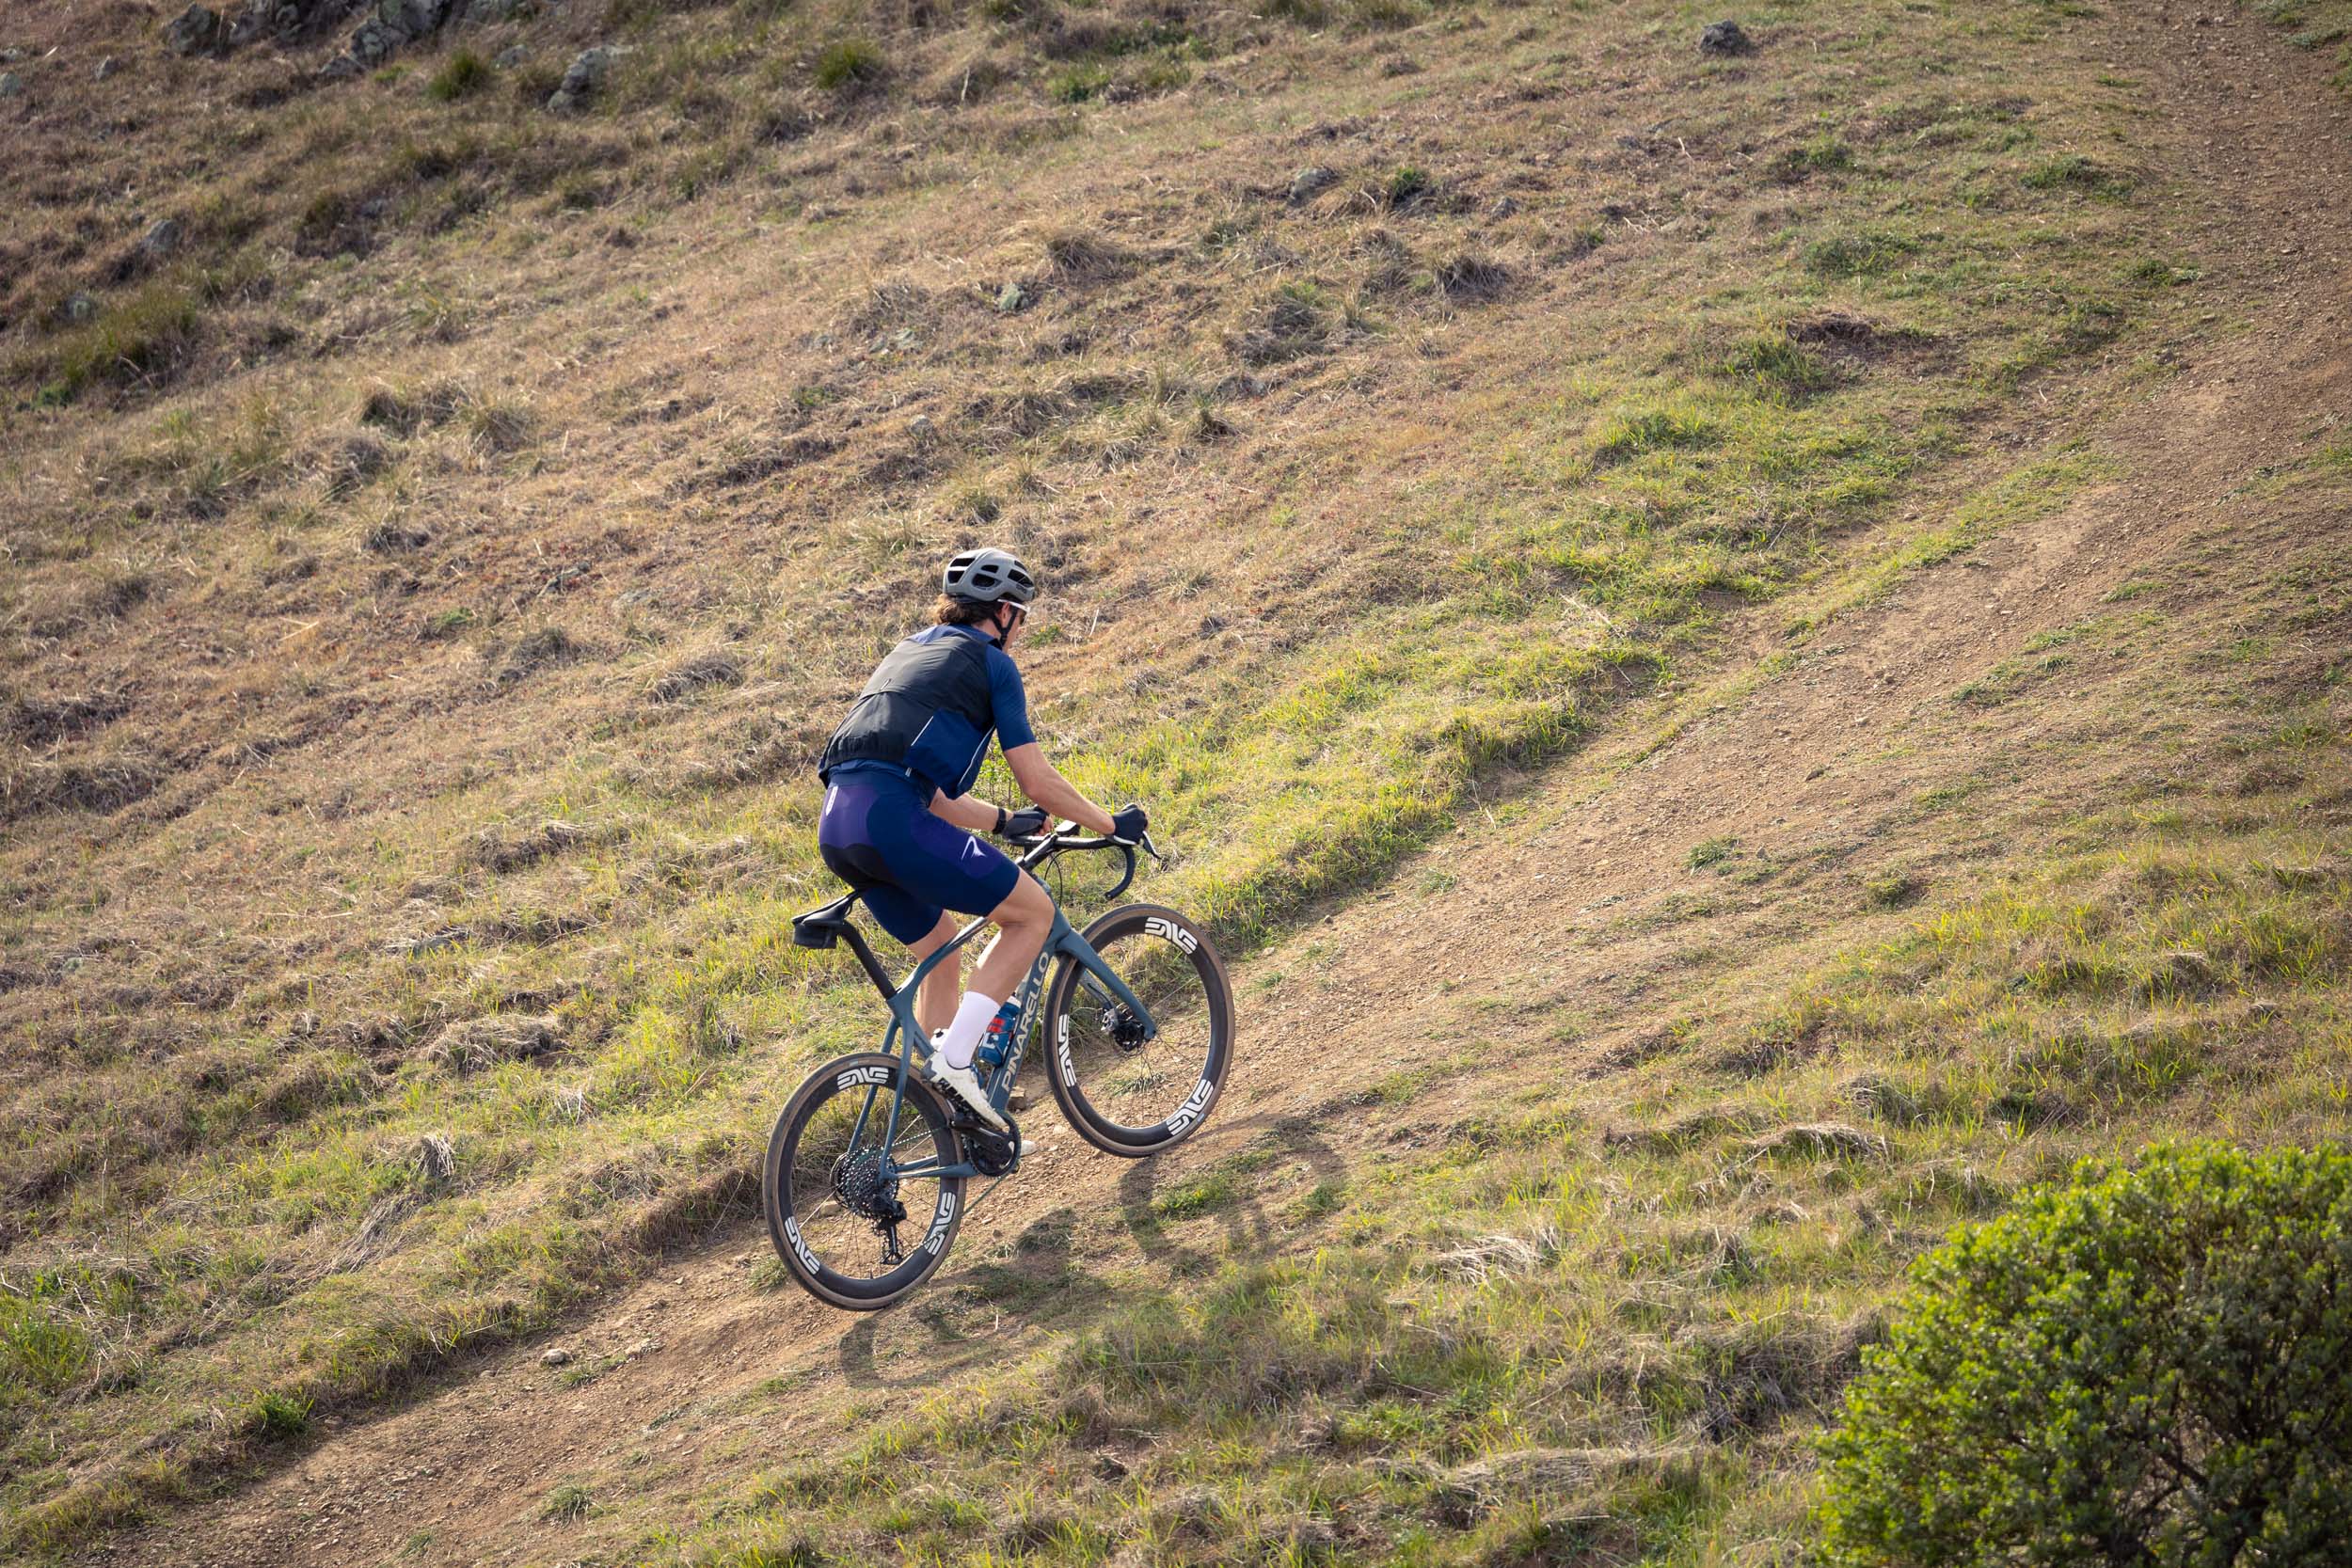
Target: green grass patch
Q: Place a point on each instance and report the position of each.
(849, 66)
(462, 75)
(2073, 171)
(568, 1503)
(136, 340)
(1713, 851)
(1870, 252)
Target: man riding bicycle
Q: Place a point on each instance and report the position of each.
(896, 773)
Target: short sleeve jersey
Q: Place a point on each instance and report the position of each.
(1008, 700)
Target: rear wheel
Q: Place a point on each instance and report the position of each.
(851, 1231)
(1122, 1092)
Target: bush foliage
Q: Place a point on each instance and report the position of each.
(2151, 1365)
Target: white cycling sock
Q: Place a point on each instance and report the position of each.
(961, 1040)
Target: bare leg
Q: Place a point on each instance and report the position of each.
(1023, 921)
(935, 1003)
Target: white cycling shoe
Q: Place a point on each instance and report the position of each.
(963, 1083)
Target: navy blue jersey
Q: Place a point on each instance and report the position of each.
(1007, 716)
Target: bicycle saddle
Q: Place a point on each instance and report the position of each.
(822, 927)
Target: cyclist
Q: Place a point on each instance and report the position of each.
(896, 775)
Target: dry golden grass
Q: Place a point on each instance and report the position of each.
(471, 469)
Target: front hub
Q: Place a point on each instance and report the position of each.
(1124, 1028)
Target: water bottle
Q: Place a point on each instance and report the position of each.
(996, 1040)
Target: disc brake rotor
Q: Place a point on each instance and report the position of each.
(1124, 1028)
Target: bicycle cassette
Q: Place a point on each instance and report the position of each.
(858, 1182)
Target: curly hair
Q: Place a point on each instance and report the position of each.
(952, 612)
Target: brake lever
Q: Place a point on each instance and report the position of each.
(1153, 849)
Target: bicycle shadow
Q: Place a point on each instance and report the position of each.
(1042, 1280)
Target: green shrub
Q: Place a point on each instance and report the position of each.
(459, 76)
(850, 66)
(2150, 1366)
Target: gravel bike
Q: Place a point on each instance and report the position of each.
(865, 1177)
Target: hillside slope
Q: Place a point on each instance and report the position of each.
(1387, 520)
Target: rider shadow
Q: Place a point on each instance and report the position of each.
(1043, 1278)
(1248, 1230)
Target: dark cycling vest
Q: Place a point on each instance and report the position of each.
(926, 709)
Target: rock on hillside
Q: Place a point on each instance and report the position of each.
(385, 27)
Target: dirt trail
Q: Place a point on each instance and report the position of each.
(1825, 760)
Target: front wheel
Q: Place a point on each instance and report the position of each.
(850, 1226)
(1123, 1093)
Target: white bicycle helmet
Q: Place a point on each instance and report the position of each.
(989, 576)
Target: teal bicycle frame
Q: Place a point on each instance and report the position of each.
(1062, 941)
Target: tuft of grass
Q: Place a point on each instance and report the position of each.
(461, 76)
(1859, 253)
(2163, 273)
(1405, 187)
(1304, 13)
(277, 1416)
(139, 339)
(2073, 171)
(1664, 426)
(850, 66)
(1384, 16)
(1823, 155)
(566, 1503)
(1894, 889)
(1079, 83)
(1203, 1195)
(1712, 851)
(1776, 364)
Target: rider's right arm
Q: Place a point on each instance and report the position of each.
(968, 812)
(1042, 783)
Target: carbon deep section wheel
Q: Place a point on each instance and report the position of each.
(1123, 1093)
(851, 1231)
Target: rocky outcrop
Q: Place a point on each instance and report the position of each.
(194, 31)
(384, 27)
(582, 80)
(1726, 38)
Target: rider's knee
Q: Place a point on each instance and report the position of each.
(1027, 904)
